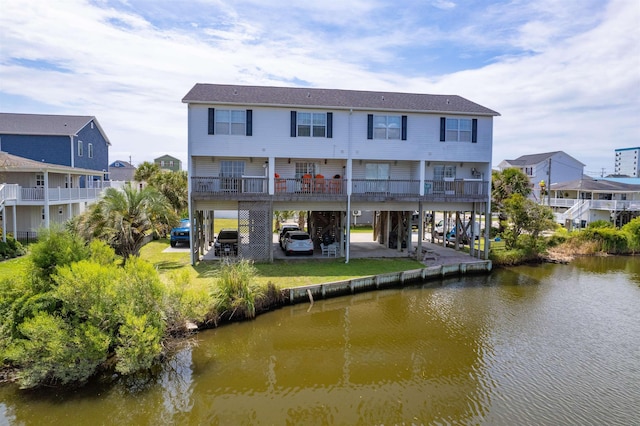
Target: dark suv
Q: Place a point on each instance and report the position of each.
(226, 243)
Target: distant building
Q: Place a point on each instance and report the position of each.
(66, 140)
(167, 162)
(564, 168)
(121, 171)
(626, 162)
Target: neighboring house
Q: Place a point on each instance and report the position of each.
(122, 171)
(167, 162)
(578, 202)
(67, 140)
(36, 194)
(563, 167)
(626, 162)
(256, 150)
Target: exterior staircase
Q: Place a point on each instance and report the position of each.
(575, 212)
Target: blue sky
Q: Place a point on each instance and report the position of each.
(565, 75)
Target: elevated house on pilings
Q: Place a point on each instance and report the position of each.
(577, 203)
(328, 152)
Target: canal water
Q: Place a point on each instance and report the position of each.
(544, 345)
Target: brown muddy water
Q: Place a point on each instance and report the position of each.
(544, 345)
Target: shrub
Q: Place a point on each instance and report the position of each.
(608, 240)
(632, 229)
(235, 291)
(54, 248)
(11, 248)
(52, 351)
(511, 257)
(599, 224)
(77, 309)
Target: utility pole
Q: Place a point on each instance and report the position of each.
(549, 184)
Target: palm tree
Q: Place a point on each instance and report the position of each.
(174, 186)
(123, 218)
(145, 171)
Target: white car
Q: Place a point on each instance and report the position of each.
(439, 228)
(298, 242)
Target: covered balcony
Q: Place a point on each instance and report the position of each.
(318, 188)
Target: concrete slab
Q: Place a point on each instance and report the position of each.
(363, 246)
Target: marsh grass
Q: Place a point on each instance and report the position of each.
(236, 291)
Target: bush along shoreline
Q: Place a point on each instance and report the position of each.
(600, 238)
(81, 310)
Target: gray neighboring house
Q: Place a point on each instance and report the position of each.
(121, 171)
(564, 168)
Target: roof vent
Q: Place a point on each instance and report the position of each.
(308, 95)
(448, 102)
(235, 91)
(383, 97)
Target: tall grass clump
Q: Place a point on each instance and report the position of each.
(235, 292)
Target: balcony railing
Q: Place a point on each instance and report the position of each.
(327, 187)
(16, 193)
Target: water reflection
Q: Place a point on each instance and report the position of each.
(545, 344)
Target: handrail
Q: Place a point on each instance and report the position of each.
(320, 186)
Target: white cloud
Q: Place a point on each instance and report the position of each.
(562, 77)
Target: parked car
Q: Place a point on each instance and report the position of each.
(283, 230)
(451, 235)
(180, 234)
(297, 242)
(439, 227)
(226, 243)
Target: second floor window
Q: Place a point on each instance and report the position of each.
(386, 126)
(230, 122)
(39, 180)
(312, 124)
(90, 150)
(458, 130)
(80, 148)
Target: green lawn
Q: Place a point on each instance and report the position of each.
(283, 273)
(11, 267)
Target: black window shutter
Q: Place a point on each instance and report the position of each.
(249, 122)
(329, 124)
(443, 128)
(293, 124)
(212, 123)
(474, 130)
(370, 126)
(404, 127)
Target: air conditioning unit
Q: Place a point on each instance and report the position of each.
(357, 213)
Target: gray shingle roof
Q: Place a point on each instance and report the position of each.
(332, 98)
(45, 125)
(590, 184)
(533, 159)
(14, 163)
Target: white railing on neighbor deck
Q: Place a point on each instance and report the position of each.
(17, 194)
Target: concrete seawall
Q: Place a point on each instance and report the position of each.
(376, 282)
